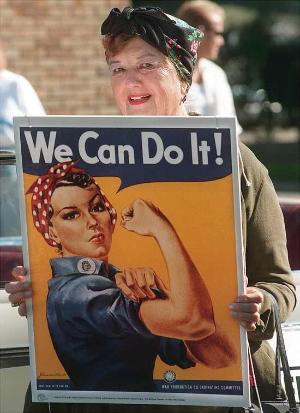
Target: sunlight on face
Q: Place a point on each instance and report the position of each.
(145, 82)
(80, 222)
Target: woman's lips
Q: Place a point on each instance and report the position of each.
(138, 99)
(97, 238)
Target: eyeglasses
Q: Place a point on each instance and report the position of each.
(215, 32)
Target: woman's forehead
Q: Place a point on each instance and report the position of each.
(74, 195)
(135, 49)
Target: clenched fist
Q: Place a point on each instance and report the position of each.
(144, 218)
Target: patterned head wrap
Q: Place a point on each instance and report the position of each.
(61, 174)
(171, 36)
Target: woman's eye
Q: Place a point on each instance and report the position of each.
(147, 66)
(99, 207)
(117, 70)
(68, 216)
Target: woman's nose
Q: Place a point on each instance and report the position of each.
(221, 40)
(91, 220)
(133, 77)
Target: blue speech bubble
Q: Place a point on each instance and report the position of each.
(135, 155)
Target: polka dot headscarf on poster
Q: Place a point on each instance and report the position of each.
(61, 174)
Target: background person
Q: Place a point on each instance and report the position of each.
(17, 98)
(151, 59)
(210, 93)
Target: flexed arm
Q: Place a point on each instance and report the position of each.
(187, 311)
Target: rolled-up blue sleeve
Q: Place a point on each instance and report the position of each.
(173, 352)
(88, 305)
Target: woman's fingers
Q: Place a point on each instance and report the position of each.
(18, 287)
(248, 326)
(121, 284)
(246, 309)
(130, 279)
(127, 215)
(134, 281)
(17, 297)
(19, 290)
(146, 282)
(137, 283)
(159, 284)
(19, 273)
(22, 310)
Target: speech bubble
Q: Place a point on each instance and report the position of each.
(135, 155)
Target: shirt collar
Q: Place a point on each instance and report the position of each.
(81, 265)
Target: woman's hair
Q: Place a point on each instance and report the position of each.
(198, 12)
(63, 174)
(114, 44)
(171, 36)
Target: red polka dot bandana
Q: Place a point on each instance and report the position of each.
(43, 188)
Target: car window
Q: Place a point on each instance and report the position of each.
(10, 229)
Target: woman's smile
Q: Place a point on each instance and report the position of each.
(138, 99)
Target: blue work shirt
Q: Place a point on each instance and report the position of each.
(97, 333)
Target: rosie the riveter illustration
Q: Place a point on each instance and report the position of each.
(104, 339)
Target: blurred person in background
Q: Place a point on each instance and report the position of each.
(210, 93)
(17, 98)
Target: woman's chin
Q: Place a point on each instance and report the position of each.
(140, 110)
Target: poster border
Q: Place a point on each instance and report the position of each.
(139, 122)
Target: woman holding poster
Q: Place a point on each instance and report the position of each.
(151, 57)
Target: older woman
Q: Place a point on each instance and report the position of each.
(151, 57)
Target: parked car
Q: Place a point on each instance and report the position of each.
(14, 354)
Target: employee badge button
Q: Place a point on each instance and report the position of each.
(86, 266)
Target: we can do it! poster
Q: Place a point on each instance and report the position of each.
(132, 238)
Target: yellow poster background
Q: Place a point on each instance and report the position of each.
(203, 216)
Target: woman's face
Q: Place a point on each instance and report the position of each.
(80, 222)
(145, 82)
(213, 39)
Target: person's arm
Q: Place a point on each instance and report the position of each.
(186, 312)
(139, 284)
(28, 99)
(267, 263)
(215, 351)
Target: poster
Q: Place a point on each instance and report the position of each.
(154, 199)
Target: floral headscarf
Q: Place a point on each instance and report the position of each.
(61, 174)
(173, 37)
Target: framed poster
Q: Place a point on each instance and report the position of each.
(133, 242)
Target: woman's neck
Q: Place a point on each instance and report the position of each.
(181, 110)
(197, 75)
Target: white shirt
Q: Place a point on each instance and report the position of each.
(212, 97)
(17, 98)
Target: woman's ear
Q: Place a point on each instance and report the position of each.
(184, 90)
(112, 227)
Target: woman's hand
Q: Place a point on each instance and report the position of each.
(19, 290)
(137, 283)
(143, 217)
(246, 308)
